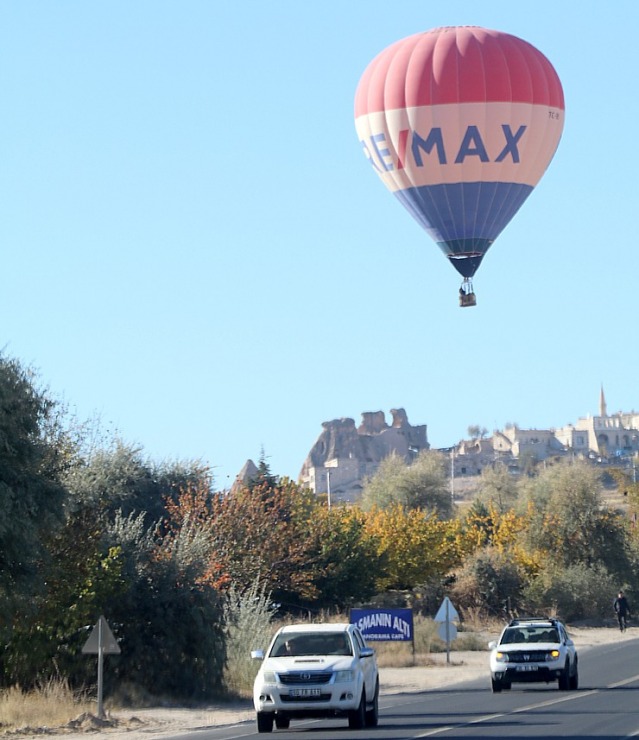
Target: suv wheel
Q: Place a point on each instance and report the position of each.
(357, 717)
(564, 678)
(574, 679)
(497, 686)
(265, 721)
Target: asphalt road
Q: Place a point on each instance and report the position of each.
(606, 707)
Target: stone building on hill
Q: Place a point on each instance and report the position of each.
(603, 439)
(602, 436)
(344, 455)
(537, 444)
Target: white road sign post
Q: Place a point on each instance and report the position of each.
(447, 615)
(102, 642)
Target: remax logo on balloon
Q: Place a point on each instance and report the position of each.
(472, 145)
(471, 142)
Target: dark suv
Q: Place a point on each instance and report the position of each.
(534, 649)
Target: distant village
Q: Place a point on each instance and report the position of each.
(345, 455)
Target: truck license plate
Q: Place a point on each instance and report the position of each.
(305, 692)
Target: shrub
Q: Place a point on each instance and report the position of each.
(579, 591)
(488, 581)
(248, 616)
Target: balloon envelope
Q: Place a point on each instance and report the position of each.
(460, 124)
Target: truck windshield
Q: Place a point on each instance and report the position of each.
(307, 643)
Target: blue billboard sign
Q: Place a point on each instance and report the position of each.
(384, 624)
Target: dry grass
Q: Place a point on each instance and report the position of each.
(52, 705)
(427, 642)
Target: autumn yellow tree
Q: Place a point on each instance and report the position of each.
(414, 546)
(505, 531)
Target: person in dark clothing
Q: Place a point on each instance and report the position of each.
(622, 609)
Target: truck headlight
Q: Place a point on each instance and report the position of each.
(342, 676)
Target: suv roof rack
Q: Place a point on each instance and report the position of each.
(521, 620)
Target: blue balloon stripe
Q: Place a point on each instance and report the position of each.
(465, 211)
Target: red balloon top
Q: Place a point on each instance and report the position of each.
(457, 64)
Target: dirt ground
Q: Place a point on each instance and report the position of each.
(143, 724)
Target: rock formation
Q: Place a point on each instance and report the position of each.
(354, 453)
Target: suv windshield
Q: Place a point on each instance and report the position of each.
(539, 633)
(305, 643)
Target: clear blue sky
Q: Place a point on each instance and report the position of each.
(195, 249)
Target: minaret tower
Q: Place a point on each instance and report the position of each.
(602, 403)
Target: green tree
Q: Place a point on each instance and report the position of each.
(117, 477)
(475, 431)
(579, 591)
(81, 579)
(568, 518)
(170, 619)
(498, 487)
(263, 475)
(422, 485)
(34, 453)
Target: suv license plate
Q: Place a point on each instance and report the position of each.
(305, 692)
(526, 667)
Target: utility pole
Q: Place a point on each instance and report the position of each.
(452, 474)
(332, 463)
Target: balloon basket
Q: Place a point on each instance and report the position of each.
(467, 294)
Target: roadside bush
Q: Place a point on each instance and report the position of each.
(426, 634)
(488, 581)
(169, 620)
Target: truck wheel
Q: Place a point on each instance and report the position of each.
(357, 717)
(265, 721)
(372, 715)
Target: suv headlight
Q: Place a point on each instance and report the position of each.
(553, 655)
(269, 677)
(501, 657)
(341, 676)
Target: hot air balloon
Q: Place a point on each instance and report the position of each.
(460, 123)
